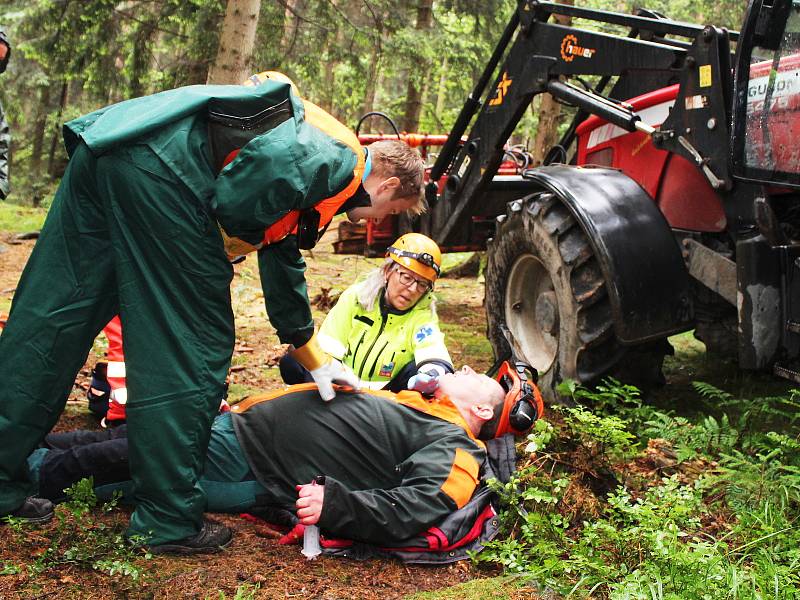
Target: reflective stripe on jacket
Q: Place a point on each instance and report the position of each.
(116, 371)
(377, 344)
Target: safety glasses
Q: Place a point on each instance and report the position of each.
(411, 282)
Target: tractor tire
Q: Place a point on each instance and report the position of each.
(545, 285)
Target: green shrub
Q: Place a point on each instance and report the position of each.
(78, 538)
(723, 525)
(607, 438)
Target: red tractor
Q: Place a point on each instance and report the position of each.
(669, 204)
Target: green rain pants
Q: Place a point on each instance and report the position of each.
(124, 234)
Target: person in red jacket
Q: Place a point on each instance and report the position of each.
(108, 391)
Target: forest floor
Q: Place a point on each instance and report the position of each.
(255, 565)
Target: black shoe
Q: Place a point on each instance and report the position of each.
(33, 510)
(213, 537)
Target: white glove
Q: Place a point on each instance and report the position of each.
(424, 383)
(333, 371)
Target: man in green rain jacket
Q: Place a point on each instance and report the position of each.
(160, 191)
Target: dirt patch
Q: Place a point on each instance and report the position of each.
(252, 561)
(12, 259)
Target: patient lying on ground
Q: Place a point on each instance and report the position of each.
(393, 463)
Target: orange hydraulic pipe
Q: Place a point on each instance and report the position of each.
(412, 139)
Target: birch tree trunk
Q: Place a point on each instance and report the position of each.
(40, 125)
(52, 167)
(441, 91)
(329, 75)
(373, 78)
(236, 42)
(549, 112)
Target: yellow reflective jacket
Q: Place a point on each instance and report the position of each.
(378, 343)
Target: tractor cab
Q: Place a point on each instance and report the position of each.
(766, 122)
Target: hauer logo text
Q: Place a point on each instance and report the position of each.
(570, 49)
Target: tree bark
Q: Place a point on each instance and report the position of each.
(39, 129)
(417, 78)
(373, 77)
(329, 74)
(141, 60)
(547, 128)
(549, 112)
(52, 169)
(441, 91)
(236, 42)
(291, 24)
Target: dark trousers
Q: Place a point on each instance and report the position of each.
(74, 455)
(293, 372)
(226, 480)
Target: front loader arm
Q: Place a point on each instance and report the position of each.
(543, 55)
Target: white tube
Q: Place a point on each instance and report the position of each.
(311, 548)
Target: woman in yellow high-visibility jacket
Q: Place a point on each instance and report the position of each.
(385, 328)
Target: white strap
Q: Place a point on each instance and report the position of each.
(116, 368)
(120, 396)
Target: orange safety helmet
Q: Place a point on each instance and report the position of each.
(260, 78)
(417, 253)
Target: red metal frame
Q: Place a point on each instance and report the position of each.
(683, 195)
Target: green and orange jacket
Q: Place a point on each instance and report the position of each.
(394, 463)
(307, 160)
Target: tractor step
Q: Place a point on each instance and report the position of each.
(792, 374)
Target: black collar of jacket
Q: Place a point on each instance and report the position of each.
(357, 200)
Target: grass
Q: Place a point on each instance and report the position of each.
(460, 309)
(506, 587)
(20, 219)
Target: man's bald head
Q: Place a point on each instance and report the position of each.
(475, 395)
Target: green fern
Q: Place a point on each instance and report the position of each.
(724, 527)
(710, 392)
